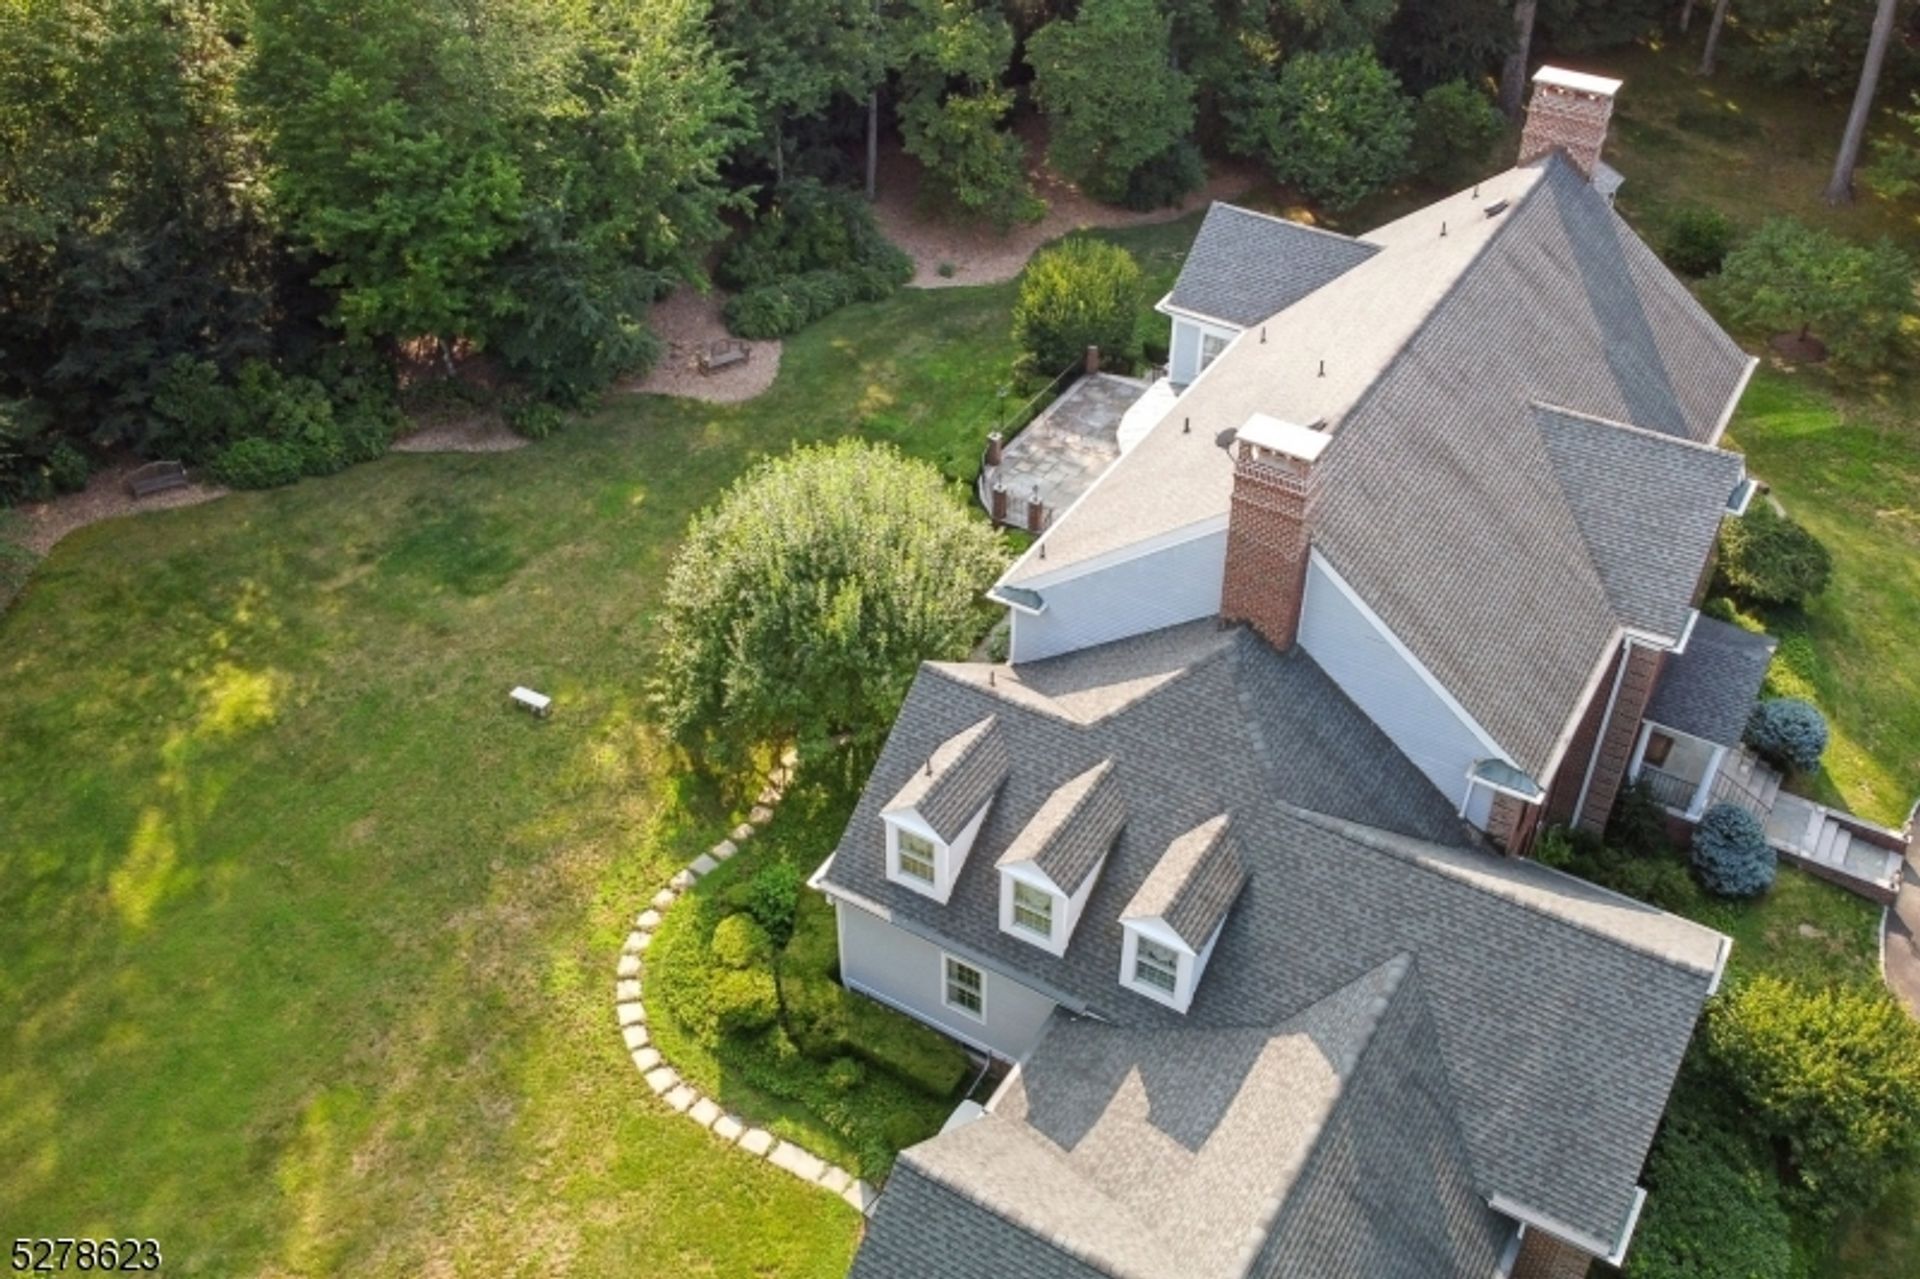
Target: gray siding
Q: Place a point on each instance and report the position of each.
(899, 968)
(1384, 684)
(1162, 588)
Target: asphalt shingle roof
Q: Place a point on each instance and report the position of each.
(1244, 266)
(1648, 507)
(1193, 885)
(959, 775)
(1073, 829)
(1560, 1011)
(1710, 689)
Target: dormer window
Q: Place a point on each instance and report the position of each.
(932, 821)
(1156, 965)
(1049, 870)
(1170, 927)
(1033, 910)
(916, 856)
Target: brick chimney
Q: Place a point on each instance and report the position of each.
(1269, 525)
(1570, 111)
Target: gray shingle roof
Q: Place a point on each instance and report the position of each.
(958, 776)
(1073, 829)
(1648, 507)
(1710, 689)
(1170, 1154)
(1244, 266)
(1193, 885)
(1561, 1011)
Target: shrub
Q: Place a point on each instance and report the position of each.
(845, 1074)
(257, 463)
(805, 227)
(1638, 825)
(1697, 240)
(16, 561)
(67, 467)
(788, 305)
(1766, 558)
(772, 897)
(365, 434)
(740, 1001)
(1788, 276)
(1789, 734)
(921, 1056)
(1832, 1074)
(1165, 179)
(740, 942)
(533, 419)
(1080, 293)
(1713, 1208)
(1659, 881)
(1454, 127)
(1731, 854)
(802, 603)
(1335, 126)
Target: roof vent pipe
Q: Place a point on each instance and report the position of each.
(1323, 368)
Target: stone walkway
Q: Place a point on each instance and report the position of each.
(1900, 944)
(1059, 456)
(683, 1098)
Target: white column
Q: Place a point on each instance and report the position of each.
(1704, 792)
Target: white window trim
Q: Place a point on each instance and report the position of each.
(1049, 909)
(910, 822)
(1137, 930)
(946, 988)
(1142, 960)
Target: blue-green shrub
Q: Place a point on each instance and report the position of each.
(1789, 733)
(1731, 855)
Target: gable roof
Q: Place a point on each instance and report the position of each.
(1648, 508)
(1073, 829)
(1709, 690)
(1217, 1153)
(1193, 885)
(1244, 266)
(960, 775)
(1561, 1011)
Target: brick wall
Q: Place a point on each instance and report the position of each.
(1564, 791)
(1615, 751)
(1544, 1257)
(1574, 122)
(1267, 544)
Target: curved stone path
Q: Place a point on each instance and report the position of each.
(630, 1015)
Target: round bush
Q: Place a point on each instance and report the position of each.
(1080, 293)
(1789, 734)
(1697, 241)
(740, 942)
(1731, 854)
(1766, 558)
(365, 434)
(257, 464)
(533, 419)
(1833, 1074)
(846, 1074)
(802, 604)
(67, 467)
(742, 1001)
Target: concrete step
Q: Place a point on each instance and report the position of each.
(1823, 843)
(1842, 841)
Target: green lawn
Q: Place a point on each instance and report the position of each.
(309, 944)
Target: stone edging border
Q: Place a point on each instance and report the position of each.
(631, 1017)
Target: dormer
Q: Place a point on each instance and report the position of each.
(1171, 924)
(931, 823)
(1049, 870)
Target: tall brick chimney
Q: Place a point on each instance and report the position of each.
(1569, 110)
(1269, 527)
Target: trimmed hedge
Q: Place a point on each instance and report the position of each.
(1731, 855)
(1789, 733)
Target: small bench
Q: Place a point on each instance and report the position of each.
(724, 354)
(156, 477)
(537, 703)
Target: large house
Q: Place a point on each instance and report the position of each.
(1223, 859)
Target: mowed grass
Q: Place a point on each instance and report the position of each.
(306, 938)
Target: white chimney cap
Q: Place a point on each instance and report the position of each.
(1290, 438)
(1578, 81)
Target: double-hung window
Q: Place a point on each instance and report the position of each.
(1033, 909)
(1155, 965)
(1210, 348)
(965, 988)
(916, 856)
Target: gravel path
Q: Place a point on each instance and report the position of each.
(105, 498)
(479, 432)
(687, 322)
(979, 254)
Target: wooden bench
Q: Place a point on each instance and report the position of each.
(156, 477)
(539, 704)
(724, 354)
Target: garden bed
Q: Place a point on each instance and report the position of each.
(755, 1016)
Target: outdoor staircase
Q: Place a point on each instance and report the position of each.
(1832, 844)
